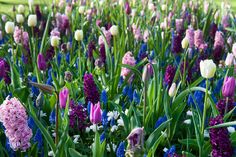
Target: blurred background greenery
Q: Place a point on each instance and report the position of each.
(7, 5)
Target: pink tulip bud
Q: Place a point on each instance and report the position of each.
(63, 96)
(95, 113)
(228, 88)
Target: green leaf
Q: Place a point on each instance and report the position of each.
(223, 125)
(22, 93)
(74, 153)
(155, 134)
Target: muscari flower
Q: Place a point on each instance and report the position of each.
(14, 118)
(38, 138)
(90, 89)
(52, 117)
(104, 96)
(219, 138)
(160, 121)
(120, 151)
(102, 137)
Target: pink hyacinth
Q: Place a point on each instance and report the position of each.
(21, 37)
(190, 37)
(137, 32)
(129, 60)
(179, 24)
(219, 39)
(225, 21)
(14, 118)
(198, 40)
(145, 36)
(55, 32)
(107, 35)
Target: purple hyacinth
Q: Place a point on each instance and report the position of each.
(62, 22)
(5, 73)
(78, 116)
(218, 46)
(91, 48)
(169, 74)
(49, 54)
(90, 89)
(213, 29)
(222, 104)
(176, 46)
(102, 52)
(219, 138)
(38, 12)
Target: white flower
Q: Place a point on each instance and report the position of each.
(32, 20)
(114, 30)
(76, 138)
(87, 129)
(207, 68)
(112, 115)
(120, 122)
(79, 35)
(185, 43)
(165, 149)
(206, 133)
(163, 7)
(21, 9)
(231, 129)
(172, 90)
(81, 9)
(187, 121)
(50, 153)
(42, 114)
(126, 112)
(234, 49)
(189, 113)
(19, 18)
(9, 27)
(55, 41)
(164, 133)
(114, 128)
(229, 59)
(113, 147)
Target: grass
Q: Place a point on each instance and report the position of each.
(6, 6)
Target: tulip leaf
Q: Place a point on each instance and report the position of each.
(74, 153)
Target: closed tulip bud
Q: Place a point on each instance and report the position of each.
(45, 88)
(68, 76)
(207, 68)
(63, 96)
(55, 41)
(79, 35)
(229, 59)
(136, 140)
(9, 27)
(164, 7)
(19, 18)
(21, 9)
(185, 43)
(81, 9)
(1, 37)
(41, 62)
(147, 72)
(32, 20)
(114, 30)
(127, 8)
(172, 90)
(234, 49)
(95, 113)
(39, 100)
(228, 88)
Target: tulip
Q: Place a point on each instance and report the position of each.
(31, 3)
(185, 43)
(21, 9)
(63, 96)
(81, 9)
(32, 20)
(42, 65)
(136, 139)
(79, 35)
(9, 27)
(172, 90)
(19, 18)
(95, 113)
(55, 41)
(228, 88)
(229, 59)
(207, 68)
(127, 8)
(114, 30)
(234, 49)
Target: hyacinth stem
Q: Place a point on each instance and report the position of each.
(145, 102)
(226, 106)
(205, 108)
(57, 120)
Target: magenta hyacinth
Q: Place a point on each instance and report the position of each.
(41, 62)
(219, 138)
(5, 72)
(90, 89)
(14, 118)
(223, 103)
(129, 60)
(95, 113)
(2, 68)
(63, 96)
(228, 88)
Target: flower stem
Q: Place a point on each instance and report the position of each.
(57, 121)
(205, 108)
